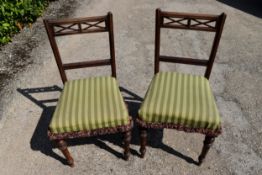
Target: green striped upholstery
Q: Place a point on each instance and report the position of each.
(88, 104)
(180, 99)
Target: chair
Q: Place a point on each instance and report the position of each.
(178, 100)
(91, 106)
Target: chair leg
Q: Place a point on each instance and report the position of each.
(127, 139)
(208, 142)
(143, 141)
(62, 146)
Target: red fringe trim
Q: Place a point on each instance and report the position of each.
(208, 132)
(90, 133)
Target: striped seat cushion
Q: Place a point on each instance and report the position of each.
(88, 104)
(180, 99)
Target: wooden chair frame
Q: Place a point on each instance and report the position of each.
(187, 21)
(84, 26)
(81, 26)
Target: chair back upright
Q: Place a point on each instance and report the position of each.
(188, 21)
(74, 26)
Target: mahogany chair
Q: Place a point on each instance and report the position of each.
(91, 106)
(178, 100)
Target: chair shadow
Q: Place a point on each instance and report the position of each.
(40, 141)
(253, 7)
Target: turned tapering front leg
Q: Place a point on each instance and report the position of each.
(208, 142)
(63, 147)
(143, 141)
(127, 140)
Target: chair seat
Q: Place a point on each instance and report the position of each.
(88, 104)
(180, 99)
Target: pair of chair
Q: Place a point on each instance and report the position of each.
(94, 106)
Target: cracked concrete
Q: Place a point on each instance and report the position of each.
(236, 81)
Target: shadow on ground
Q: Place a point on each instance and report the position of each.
(40, 141)
(253, 7)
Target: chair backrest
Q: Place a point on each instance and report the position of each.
(96, 24)
(188, 21)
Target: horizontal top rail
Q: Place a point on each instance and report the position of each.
(76, 20)
(189, 21)
(189, 15)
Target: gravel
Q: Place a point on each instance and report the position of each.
(27, 64)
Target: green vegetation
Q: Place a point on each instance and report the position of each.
(14, 14)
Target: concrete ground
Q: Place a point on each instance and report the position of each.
(236, 81)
